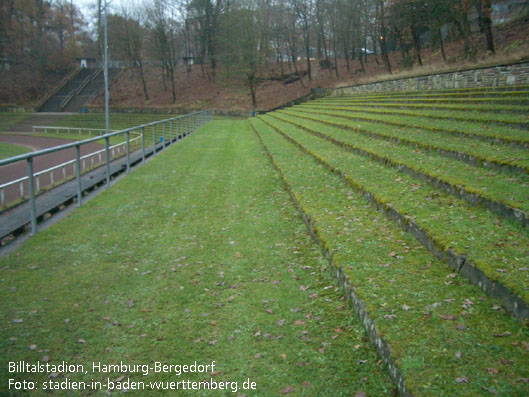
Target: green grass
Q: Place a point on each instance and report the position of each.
(435, 107)
(411, 297)
(511, 190)
(498, 154)
(500, 118)
(7, 120)
(499, 249)
(10, 150)
(466, 128)
(117, 121)
(429, 101)
(512, 91)
(198, 255)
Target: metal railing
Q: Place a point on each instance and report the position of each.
(172, 129)
(73, 130)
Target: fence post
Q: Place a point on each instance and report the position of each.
(107, 151)
(170, 131)
(154, 140)
(78, 174)
(32, 197)
(163, 136)
(128, 152)
(143, 144)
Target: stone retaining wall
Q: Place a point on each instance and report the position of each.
(495, 76)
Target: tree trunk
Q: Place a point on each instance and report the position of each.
(382, 37)
(140, 67)
(416, 44)
(441, 43)
(487, 25)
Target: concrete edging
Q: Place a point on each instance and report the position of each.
(459, 262)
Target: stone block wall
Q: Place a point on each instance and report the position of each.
(495, 76)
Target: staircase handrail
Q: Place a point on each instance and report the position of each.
(96, 92)
(61, 84)
(66, 100)
(86, 81)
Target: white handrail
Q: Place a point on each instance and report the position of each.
(184, 125)
(59, 166)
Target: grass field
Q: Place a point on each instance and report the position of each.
(7, 120)
(197, 256)
(203, 254)
(394, 192)
(10, 150)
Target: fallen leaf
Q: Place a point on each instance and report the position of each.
(18, 320)
(507, 333)
(289, 389)
(269, 311)
(283, 356)
(360, 393)
(462, 379)
(299, 322)
(280, 323)
(304, 287)
(81, 341)
(406, 307)
(492, 371)
(458, 354)
(32, 347)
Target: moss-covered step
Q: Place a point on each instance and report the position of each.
(502, 194)
(497, 92)
(521, 100)
(439, 334)
(512, 120)
(480, 107)
(487, 132)
(493, 255)
(498, 156)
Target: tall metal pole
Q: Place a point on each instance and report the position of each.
(106, 69)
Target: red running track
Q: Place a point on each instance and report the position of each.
(20, 169)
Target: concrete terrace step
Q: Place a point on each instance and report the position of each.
(435, 331)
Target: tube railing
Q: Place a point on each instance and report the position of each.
(80, 131)
(184, 125)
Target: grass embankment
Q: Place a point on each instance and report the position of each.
(482, 130)
(7, 120)
(10, 150)
(198, 255)
(445, 335)
(475, 151)
(508, 188)
(117, 121)
(451, 222)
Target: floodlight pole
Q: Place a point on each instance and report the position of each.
(105, 70)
